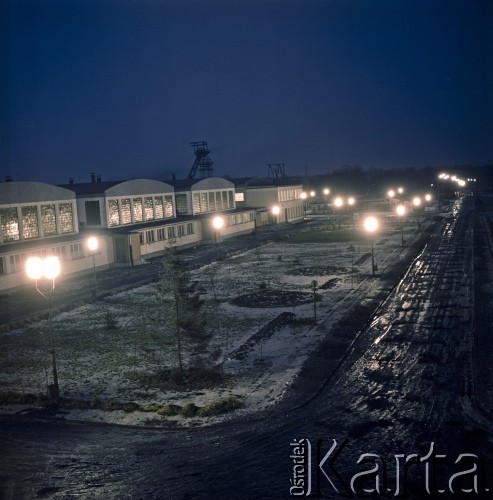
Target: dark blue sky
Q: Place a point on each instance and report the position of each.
(122, 87)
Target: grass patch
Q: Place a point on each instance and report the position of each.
(325, 236)
(169, 379)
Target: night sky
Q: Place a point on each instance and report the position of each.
(122, 87)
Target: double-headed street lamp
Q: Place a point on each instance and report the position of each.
(47, 268)
(371, 225)
(401, 211)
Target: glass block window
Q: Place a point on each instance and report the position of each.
(48, 220)
(161, 234)
(149, 207)
(171, 232)
(30, 224)
(138, 214)
(113, 213)
(93, 215)
(158, 206)
(126, 211)
(231, 200)
(66, 217)
(168, 204)
(204, 206)
(196, 203)
(9, 223)
(225, 199)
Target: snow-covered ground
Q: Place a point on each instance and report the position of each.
(105, 350)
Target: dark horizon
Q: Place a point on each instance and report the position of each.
(121, 89)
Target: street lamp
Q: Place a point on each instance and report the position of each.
(400, 190)
(371, 225)
(339, 202)
(390, 193)
(303, 197)
(47, 268)
(401, 211)
(93, 245)
(218, 223)
(417, 204)
(351, 201)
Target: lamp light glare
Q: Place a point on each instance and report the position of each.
(92, 243)
(218, 222)
(338, 202)
(416, 201)
(401, 210)
(390, 193)
(351, 201)
(34, 268)
(276, 210)
(371, 224)
(51, 267)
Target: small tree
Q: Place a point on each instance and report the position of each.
(181, 304)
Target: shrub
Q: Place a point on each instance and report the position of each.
(169, 410)
(189, 410)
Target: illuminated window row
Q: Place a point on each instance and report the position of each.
(123, 211)
(289, 194)
(33, 221)
(163, 233)
(212, 201)
(15, 263)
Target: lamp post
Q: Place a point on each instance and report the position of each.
(401, 211)
(276, 210)
(351, 201)
(339, 202)
(218, 223)
(314, 285)
(47, 268)
(371, 225)
(303, 197)
(93, 245)
(417, 204)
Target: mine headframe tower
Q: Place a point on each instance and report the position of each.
(203, 162)
(276, 170)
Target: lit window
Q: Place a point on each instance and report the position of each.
(113, 213)
(168, 203)
(126, 211)
(9, 223)
(149, 207)
(66, 217)
(48, 220)
(158, 206)
(138, 214)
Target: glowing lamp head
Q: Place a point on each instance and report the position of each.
(370, 224)
(92, 243)
(338, 202)
(351, 201)
(326, 191)
(218, 222)
(37, 268)
(312, 193)
(34, 268)
(400, 210)
(303, 195)
(276, 210)
(428, 197)
(416, 201)
(400, 190)
(390, 193)
(51, 267)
